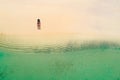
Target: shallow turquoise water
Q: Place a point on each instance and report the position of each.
(89, 64)
(72, 61)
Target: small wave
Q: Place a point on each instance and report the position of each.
(68, 47)
(9, 44)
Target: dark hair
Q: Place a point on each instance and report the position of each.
(38, 20)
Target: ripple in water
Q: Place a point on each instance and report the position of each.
(16, 44)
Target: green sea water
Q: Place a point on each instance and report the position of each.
(99, 61)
